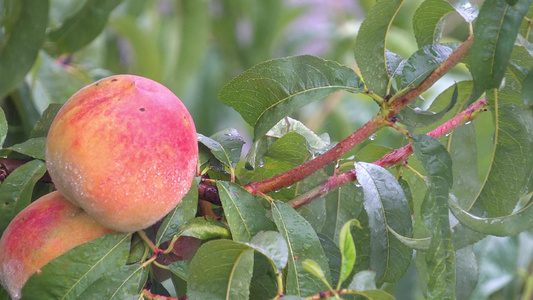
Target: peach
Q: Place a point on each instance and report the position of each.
(125, 150)
(42, 231)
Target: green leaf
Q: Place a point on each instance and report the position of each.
(372, 152)
(60, 10)
(347, 248)
(83, 27)
(286, 153)
(440, 257)
(395, 63)
(386, 205)
(17, 188)
(495, 33)
(245, 215)
(497, 259)
(527, 90)
(511, 161)
(375, 295)
(260, 147)
(180, 268)
(303, 244)
(43, 124)
(221, 269)
(183, 212)
(53, 82)
(466, 10)
(508, 225)
(78, 268)
(3, 127)
(364, 280)
(419, 118)
(364, 284)
(205, 228)
(273, 246)
(34, 148)
(313, 267)
(121, 283)
(342, 205)
(428, 21)
(334, 257)
(421, 244)
(225, 145)
(423, 62)
(21, 42)
(370, 45)
(271, 90)
(467, 272)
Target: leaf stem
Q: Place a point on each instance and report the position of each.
(379, 120)
(392, 158)
(147, 240)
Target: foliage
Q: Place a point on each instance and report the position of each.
(303, 210)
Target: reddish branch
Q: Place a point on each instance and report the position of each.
(381, 119)
(392, 158)
(149, 296)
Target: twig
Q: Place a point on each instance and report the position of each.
(392, 158)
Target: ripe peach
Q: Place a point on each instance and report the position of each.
(125, 150)
(44, 230)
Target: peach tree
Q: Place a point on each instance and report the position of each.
(294, 214)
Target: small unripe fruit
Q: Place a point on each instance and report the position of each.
(44, 230)
(125, 150)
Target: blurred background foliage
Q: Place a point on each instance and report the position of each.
(195, 47)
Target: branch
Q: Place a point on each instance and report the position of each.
(149, 296)
(380, 120)
(393, 158)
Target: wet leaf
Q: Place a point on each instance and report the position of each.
(34, 148)
(303, 244)
(261, 146)
(342, 205)
(83, 27)
(121, 283)
(229, 265)
(3, 127)
(385, 205)
(17, 188)
(205, 228)
(183, 212)
(43, 124)
(272, 245)
(494, 36)
(511, 163)
(79, 268)
(416, 117)
(508, 225)
(21, 41)
(423, 62)
(271, 90)
(440, 259)
(225, 145)
(347, 248)
(428, 21)
(246, 216)
(370, 45)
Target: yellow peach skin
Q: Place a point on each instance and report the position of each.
(125, 150)
(44, 230)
